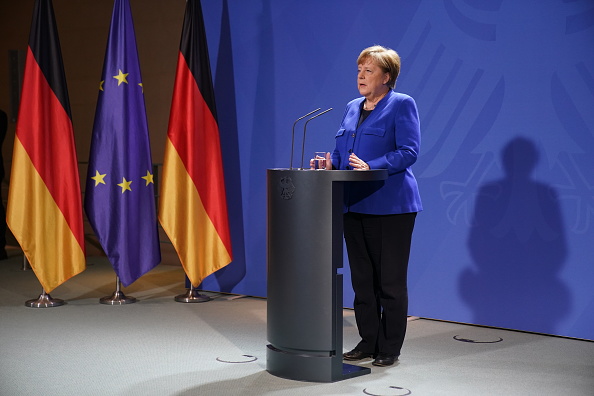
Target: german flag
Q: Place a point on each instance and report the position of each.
(44, 199)
(193, 204)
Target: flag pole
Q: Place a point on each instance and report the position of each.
(44, 301)
(118, 297)
(192, 199)
(44, 165)
(120, 151)
(192, 296)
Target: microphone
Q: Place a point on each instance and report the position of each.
(293, 136)
(304, 130)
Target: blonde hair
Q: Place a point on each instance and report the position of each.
(385, 58)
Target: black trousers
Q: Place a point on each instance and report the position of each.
(378, 248)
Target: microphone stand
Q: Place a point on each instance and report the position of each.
(304, 130)
(293, 135)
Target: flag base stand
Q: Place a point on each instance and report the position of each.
(118, 297)
(192, 296)
(44, 301)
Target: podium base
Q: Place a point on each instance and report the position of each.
(311, 368)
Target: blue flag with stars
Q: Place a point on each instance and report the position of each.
(120, 189)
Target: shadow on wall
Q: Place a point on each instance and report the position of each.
(518, 246)
(228, 277)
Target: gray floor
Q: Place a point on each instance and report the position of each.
(160, 347)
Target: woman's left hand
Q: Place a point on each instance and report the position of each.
(357, 163)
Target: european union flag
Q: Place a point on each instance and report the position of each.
(119, 194)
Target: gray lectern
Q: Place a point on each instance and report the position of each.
(304, 289)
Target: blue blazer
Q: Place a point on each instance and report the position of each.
(389, 138)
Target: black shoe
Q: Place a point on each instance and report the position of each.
(356, 354)
(384, 360)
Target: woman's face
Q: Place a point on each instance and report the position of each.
(371, 79)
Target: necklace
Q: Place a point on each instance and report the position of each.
(368, 105)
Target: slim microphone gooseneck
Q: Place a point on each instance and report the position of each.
(293, 135)
(304, 130)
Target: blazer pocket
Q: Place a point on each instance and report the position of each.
(374, 131)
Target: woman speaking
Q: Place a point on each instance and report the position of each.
(379, 130)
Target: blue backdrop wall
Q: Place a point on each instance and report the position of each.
(505, 91)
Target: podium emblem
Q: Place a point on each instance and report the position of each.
(287, 188)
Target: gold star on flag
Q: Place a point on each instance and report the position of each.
(125, 185)
(141, 86)
(99, 178)
(121, 77)
(148, 178)
(101, 85)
